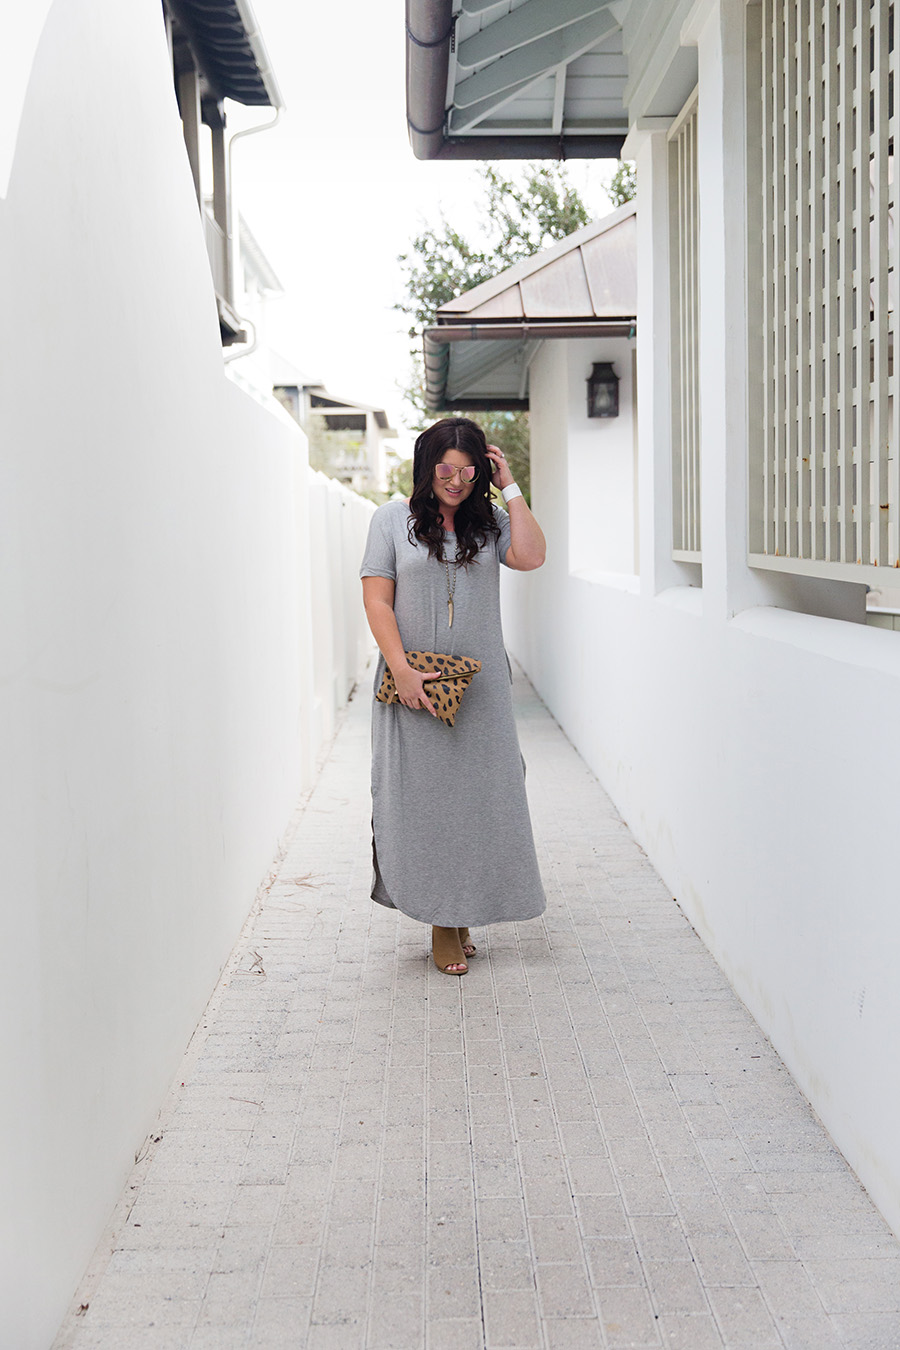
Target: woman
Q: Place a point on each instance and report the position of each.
(452, 836)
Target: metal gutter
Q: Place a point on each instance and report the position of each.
(472, 332)
(436, 352)
(464, 404)
(531, 147)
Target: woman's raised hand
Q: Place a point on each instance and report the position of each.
(501, 476)
(411, 688)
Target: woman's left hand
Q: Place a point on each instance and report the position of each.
(501, 476)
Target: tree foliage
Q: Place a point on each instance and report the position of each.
(524, 215)
(622, 187)
(522, 218)
(330, 452)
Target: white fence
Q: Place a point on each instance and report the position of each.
(338, 525)
(826, 474)
(684, 218)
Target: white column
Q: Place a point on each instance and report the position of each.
(658, 570)
(728, 584)
(222, 202)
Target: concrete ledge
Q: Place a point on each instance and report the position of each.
(852, 644)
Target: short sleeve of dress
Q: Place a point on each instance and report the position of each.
(502, 519)
(380, 557)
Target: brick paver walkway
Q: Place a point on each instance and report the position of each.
(585, 1142)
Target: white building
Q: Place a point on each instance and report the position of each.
(726, 687)
(551, 324)
(170, 664)
(257, 289)
(355, 435)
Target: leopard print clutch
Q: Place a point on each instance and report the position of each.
(445, 691)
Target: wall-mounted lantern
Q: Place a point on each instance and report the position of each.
(603, 391)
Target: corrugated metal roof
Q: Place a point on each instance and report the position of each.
(589, 274)
(478, 351)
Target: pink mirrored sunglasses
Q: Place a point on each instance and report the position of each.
(467, 474)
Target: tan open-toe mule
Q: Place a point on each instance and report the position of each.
(468, 946)
(447, 951)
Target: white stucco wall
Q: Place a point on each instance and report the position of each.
(755, 760)
(601, 461)
(158, 638)
(583, 469)
(751, 746)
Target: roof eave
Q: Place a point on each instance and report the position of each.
(429, 34)
(436, 349)
(521, 147)
(264, 65)
(198, 23)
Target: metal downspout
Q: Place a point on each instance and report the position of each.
(245, 348)
(252, 131)
(429, 29)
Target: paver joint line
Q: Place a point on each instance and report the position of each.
(588, 1142)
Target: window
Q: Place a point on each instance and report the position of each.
(684, 232)
(824, 423)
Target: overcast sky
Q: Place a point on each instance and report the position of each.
(334, 193)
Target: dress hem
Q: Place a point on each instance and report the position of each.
(443, 921)
(381, 896)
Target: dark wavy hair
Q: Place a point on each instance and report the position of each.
(474, 520)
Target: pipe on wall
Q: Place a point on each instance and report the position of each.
(429, 28)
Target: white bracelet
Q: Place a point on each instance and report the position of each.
(510, 493)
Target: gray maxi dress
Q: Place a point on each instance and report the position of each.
(452, 840)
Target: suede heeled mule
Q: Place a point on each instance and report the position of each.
(447, 951)
(468, 946)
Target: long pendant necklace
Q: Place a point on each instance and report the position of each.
(451, 590)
